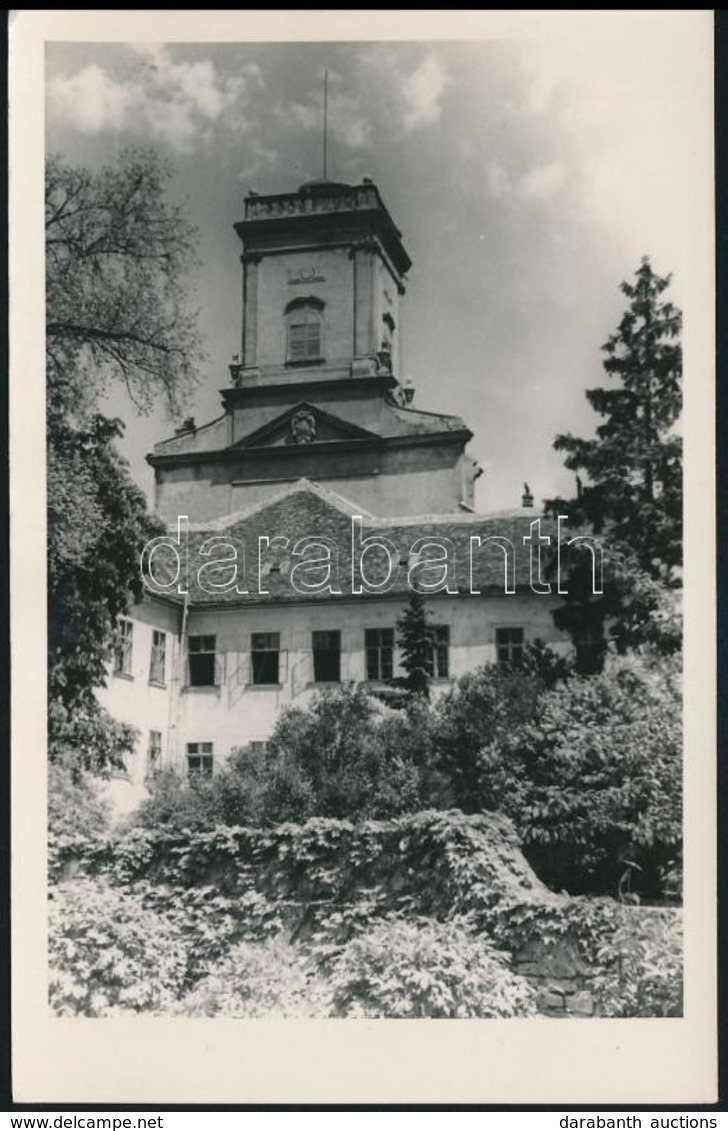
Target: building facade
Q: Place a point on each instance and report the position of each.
(302, 518)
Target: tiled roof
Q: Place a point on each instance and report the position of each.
(308, 511)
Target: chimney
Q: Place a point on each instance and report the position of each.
(526, 497)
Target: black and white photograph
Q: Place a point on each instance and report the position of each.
(366, 411)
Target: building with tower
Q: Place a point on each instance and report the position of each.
(302, 517)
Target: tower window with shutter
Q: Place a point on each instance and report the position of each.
(304, 332)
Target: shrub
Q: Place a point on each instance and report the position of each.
(108, 954)
(78, 816)
(271, 979)
(482, 708)
(593, 780)
(176, 803)
(640, 971)
(421, 968)
(348, 755)
(82, 733)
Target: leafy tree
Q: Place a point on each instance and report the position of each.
(98, 523)
(632, 493)
(346, 756)
(593, 781)
(116, 311)
(117, 307)
(416, 639)
(481, 708)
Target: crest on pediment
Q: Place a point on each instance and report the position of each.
(303, 427)
(305, 424)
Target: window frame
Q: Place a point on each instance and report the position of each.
(259, 653)
(508, 660)
(154, 753)
(194, 662)
(158, 657)
(325, 650)
(305, 315)
(437, 669)
(383, 648)
(200, 750)
(124, 648)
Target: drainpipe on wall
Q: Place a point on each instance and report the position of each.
(174, 704)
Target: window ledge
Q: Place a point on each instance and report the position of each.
(324, 683)
(123, 675)
(202, 687)
(157, 683)
(304, 362)
(264, 686)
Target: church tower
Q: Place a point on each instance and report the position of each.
(317, 390)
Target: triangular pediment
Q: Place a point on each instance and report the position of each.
(304, 424)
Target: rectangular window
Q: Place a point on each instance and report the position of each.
(326, 657)
(304, 340)
(199, 759)
(154, 752)
(159, 657)
(509, 646)
(123, 646)
(201, 661)
(439, 668)
(379, 645)
(265, 648)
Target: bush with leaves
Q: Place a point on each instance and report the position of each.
(270, 979)
(108, 954)
(593, 780)
(640, 966)
(79, 818)
(418, 968)
(348, 755)
(482, 709)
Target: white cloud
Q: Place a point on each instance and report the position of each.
(542, 182)
(91, 100)
(346, 121)
(171, 101)
(537, 185)
(423, 92)
(624, 99)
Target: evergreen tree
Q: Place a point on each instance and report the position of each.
(416, 639)
(631, 494)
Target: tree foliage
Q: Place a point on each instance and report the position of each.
(117, 305)
(416, 639)
(632, 492)
(117, 311)
(593, 781)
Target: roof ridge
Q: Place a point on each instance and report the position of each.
(340, 502)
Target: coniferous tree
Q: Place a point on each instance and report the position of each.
(631, 494)
(416, 639)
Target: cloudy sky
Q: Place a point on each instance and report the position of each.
(528, 177)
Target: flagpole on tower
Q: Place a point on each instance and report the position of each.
(326, 112)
